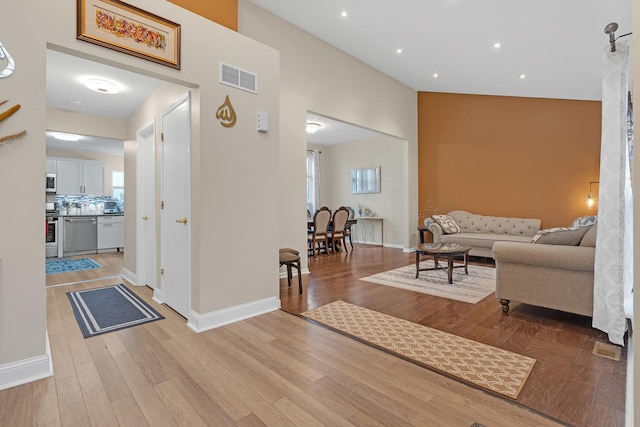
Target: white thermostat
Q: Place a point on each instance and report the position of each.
(263, 122)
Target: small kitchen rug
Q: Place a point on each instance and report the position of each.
(55, 266)
(491, 368)
(109, 309)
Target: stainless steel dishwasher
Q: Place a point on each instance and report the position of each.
(80, 235)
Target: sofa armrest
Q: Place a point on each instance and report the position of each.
(580, 258)
(436, 230)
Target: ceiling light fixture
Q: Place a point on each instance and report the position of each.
(344, 14)
(591, 201)
(435, 75)
(66, 137)
(497, 45)
(76, 102)
(398, 50)
(523, 76)
(102, 86)
(313, 127)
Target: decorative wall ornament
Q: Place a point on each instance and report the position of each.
(226, 114)
(5, 115)
(128, 29)
(11, 66)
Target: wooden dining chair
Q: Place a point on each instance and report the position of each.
(291, 258)
(347, 228)
(319, 235)
(338, 233)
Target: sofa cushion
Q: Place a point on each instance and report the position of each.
(482, 240)
(474, 223)
(569, 236)
(589, 239)
(447, 223)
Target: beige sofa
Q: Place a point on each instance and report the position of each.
(480, 232)
(547, 275)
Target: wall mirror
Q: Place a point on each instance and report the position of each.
(365, 180)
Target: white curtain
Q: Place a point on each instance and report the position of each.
(613, 269)
(314, 188)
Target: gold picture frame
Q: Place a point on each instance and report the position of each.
(128, 29)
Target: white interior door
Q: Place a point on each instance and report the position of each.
(176, 198)
(146, 206)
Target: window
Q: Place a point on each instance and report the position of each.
(117, 183)
(314, 198)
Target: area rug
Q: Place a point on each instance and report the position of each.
(471, 288)
(488, 367)
(55, 266)
(108, 309)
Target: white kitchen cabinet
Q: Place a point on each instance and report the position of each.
(51, 166)
(80, 177)
(110, 233)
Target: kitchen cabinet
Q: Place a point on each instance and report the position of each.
(80, 177)
(51, 166)
(110, 233)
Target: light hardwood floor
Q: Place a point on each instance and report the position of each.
(276, 369)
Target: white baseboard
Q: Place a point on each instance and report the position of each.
(27, 370)
(215, 319)
(129, 276)
(294, 273)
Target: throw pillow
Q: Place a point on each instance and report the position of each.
(447, 223)
(583, 221)
(589, 238)
(567, 236)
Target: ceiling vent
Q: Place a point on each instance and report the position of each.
(241, 79)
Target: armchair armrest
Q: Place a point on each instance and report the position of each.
(436, 230)
(580, 258)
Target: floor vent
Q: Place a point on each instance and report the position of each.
(609, 351)
(241, 79)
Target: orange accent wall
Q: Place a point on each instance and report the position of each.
(508, 156)
(224, 12)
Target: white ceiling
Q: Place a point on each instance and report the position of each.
(557, 44)
(66, 75)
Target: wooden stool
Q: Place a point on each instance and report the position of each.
(291, 258)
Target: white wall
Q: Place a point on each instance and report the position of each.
(320, 78)
(221, 192)
(336, 163)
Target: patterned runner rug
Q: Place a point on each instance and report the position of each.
(64, 265)
(471, 288)
(488, 367)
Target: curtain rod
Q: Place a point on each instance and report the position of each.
(611, 30)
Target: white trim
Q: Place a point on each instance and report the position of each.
(294, 272)
(214, 319)
(130, 277)
(27, 370)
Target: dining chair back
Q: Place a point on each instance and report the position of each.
(338, 233)
(347, 228)
(320, 235)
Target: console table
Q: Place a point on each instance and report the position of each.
(371, 220)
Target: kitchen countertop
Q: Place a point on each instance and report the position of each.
(85, 215)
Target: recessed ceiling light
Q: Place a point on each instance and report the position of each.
(66, 136)
(313, 127)
(523, 76)
(435, 75)
(344, 14)
(102, 86)
(76, 102)
(497, 45)
(398, 50)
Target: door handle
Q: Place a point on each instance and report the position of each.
(144, 218)
(182, 221)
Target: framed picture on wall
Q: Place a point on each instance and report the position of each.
(128, 29)
(366, 180)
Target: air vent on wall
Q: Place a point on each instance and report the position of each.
(241, 79)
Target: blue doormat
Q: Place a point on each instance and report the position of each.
(65, 265)
(109, 309)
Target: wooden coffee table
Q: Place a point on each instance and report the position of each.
(436, 250)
